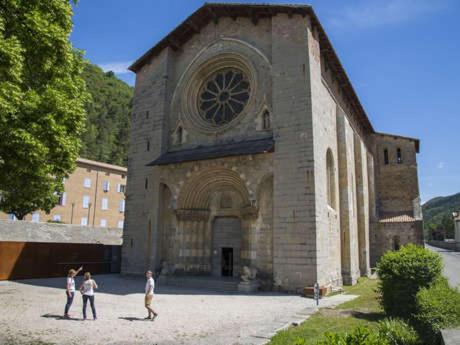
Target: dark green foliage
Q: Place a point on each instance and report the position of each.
(402, 274)
(437, 216)
(106, 137)
(398, 332)
(388, 332)
(42, 97)
(437, 308)
(359, 336)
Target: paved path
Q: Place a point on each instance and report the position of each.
(31, 310)
(451, 264)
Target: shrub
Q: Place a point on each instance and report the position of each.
(437, 307)
(397, 332)
(402, 274)
(359, 336)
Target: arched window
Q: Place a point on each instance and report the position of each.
(385, 157)
(398, 156)
(330, 179)
(266, 120)
(180, 135)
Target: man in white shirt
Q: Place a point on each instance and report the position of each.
(149, 287)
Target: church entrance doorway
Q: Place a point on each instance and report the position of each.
(227, 262)
(226, 247)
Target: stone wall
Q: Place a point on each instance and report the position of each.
(392, 235)
(24, 231)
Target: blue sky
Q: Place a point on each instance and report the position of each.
(402, 56)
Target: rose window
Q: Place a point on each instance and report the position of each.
(223, 96)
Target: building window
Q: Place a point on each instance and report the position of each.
(103, 223)
(35, 217)
(266, 120)
(87, 183)
(223, 96)
(148, 145)
(121, 188)
(123, 176)
(86, 201)
(120, 224)
(398, 156)
(105, 203)
(330, 179)
(11, 216)
(121, 206)
(146, 183)
(62, 199)
(84, 221)
(396, 243)
(385, 157)
(57, 218)
(106, 186)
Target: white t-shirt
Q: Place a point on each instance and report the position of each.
(88, 287)
(71, 282)
(149, 286)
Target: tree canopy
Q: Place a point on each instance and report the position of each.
(106, 137)
(42, 103)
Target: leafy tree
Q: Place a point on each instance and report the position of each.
(106, 137)
(42, 97)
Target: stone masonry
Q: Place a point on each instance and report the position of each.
(250, 148)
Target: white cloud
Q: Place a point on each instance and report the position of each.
(374, 13)
(441, 165)
(116, 67)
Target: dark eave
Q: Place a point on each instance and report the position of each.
(395, 136)
(248, 147)
(213, 11)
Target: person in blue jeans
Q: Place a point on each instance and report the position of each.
(87, 291)
(70, 290)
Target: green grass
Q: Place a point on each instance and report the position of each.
(364, 310)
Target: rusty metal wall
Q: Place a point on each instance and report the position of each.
(24, 260)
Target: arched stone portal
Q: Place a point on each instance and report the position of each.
(211, 229)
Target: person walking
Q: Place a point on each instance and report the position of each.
(149, 287)
(70, 290)
(87, 291)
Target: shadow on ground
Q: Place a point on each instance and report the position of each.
(124, 285)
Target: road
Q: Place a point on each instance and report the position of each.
(451, 264)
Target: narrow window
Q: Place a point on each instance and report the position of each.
(84, 221)
(62, 199)
(87, 183)
(398, 156)
(266, 120)
(396, 243)
(103, 223)
(121, 206)
(385, 157)
(180, 135)
(35, 217)
(120, 224)
(147, 114)
(106, 186)
(86, 201)
(146, 185)
(148, 145)
(105, 204)
(330, 179)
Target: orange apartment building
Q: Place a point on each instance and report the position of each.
(94, 196)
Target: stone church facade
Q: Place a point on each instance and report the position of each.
(249, 147)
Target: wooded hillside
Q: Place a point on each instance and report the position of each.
(106, 136)
(437, 215)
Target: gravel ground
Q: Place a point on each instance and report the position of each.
(32, 309)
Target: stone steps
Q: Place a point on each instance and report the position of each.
(201, 283)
